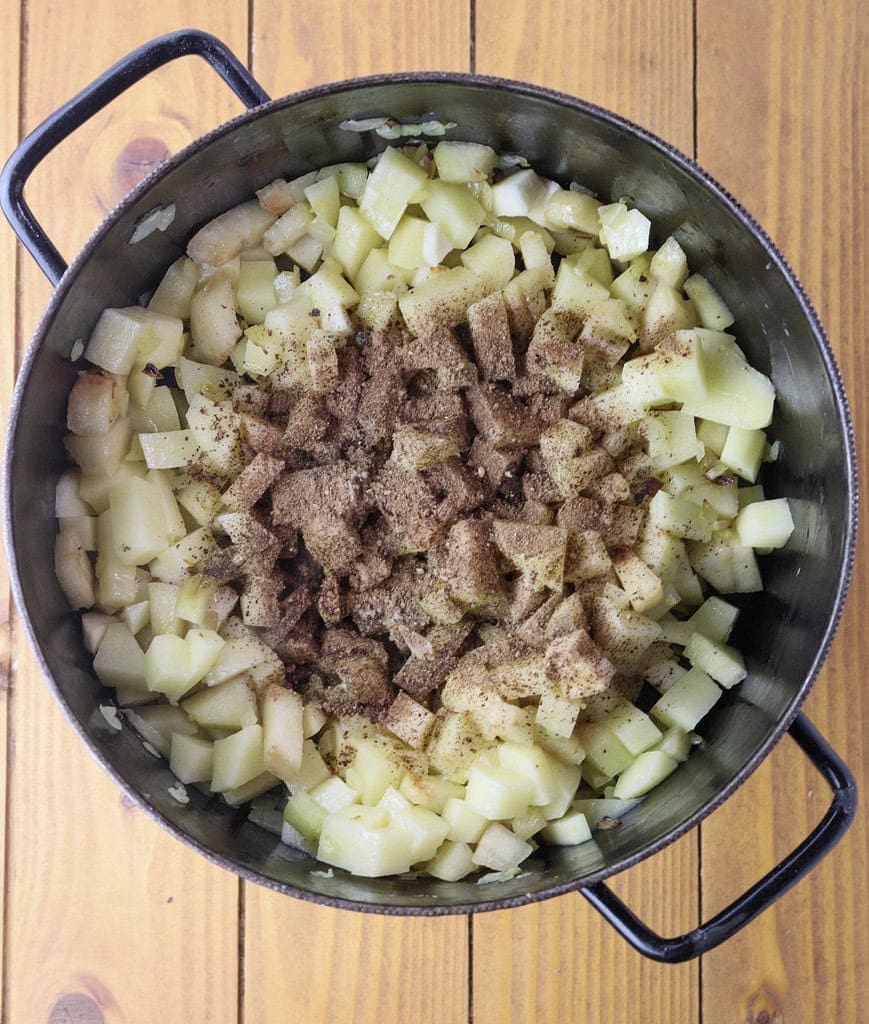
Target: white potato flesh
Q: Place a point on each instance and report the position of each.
(95, 402)
(464, 161)
(452, 862)
(389, 189)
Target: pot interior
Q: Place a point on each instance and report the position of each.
(783, 631)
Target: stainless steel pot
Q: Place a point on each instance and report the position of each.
(785, 631)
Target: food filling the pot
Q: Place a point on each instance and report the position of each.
(402, 509)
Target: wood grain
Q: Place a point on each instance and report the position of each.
(10, 31)
(782, 100)
(557, 960)
(107, 915)
(634, 57)
(314, 41)
(358, 967)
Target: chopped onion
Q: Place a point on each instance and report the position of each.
(110, 713)
(157, 220)
(367, 124)
(152, 750)
(179, 793)
(77, 350)
(508, 160)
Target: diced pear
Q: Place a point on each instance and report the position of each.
(363, 843)
(255, 291)
(426, 829)
(576, 291)
(161, 413)
(312, 769)
(532, 764)
(177, 562)
(167, 666)
(464, 161)
(715, 619)
(204, 646)
(452, 862)
(743, 452)
(765, 524)
(669, 265)
(680, 517)
(305, 814)
(73, 570)
(157, 723)
(173, 293)
(169, 449)
(119, 660)
(417, 243)
(570, 830)
(687, 701)
(671, 438)
(223, 238)
(123, 337)
(283, 732)
(454, 210)
(101, 454)
(497, 792)
(710, 307)
(634, 286)
(624, 232)
(575, 210)
(649, 770)
(389, 189)
(500, 849)
(214, 328)
(191, 758)
(675, 742)
(633, 728)
(721, 662)
(240, 654)
(354, 240)
(333, 794)
(728, 564)
(465, 824)
(231, 705)
(137, 616)
(249, 790)
(737, 395)
(372, 771)
(603, 749)
(667, 312)
(93, 628)
(238, 759)
(556, 715)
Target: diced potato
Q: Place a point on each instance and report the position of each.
(333, 794)
(649, 770)
(137, 616)
(325, 200)
(603, 749)
(170, 449)
(426, 829)
(95, 402)
(288, 229)
(204, 646)
(255, 291)
(667, 312)
(729, 565)
(160, 414)
(465, 824)
(500, 849)
(765, 524)
(93, 628)
(372, 771)
(570, 830)
(644, 587)
(671, 438)
(687, 701)
(250, 790)
(680, 517)
(575, 210)
(354, 240)
(556, 715)
(531, 764)
(191, 758)
(454, 210)
(737, 395)
(633, 728)
(238, 759)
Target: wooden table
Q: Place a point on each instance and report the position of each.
(106, 918)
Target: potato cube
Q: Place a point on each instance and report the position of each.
(687, 701)
(360, 840)
(452, 862)
(238, 759)
(191, 758)
(119, 660)
(644, 588)
(167, 666)
(722, 663)
(500, 849)
(765, 524)
(498, 793)
(569, 830)
(123, 337)
(231, 705)
(649, 770)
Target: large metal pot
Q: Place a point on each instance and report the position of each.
(785, 631)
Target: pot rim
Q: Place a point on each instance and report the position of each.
(685, 163)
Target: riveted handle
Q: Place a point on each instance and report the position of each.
(63, 122)
(762, 894)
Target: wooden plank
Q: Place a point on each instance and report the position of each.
(558, 960)
(631, 56)
(316, 41)
(108, 918)
(781, 102)
(360, 967)
(10, 34)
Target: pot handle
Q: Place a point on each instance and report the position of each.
(763, 893)
(63, 122)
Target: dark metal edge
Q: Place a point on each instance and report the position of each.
(692, 168)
